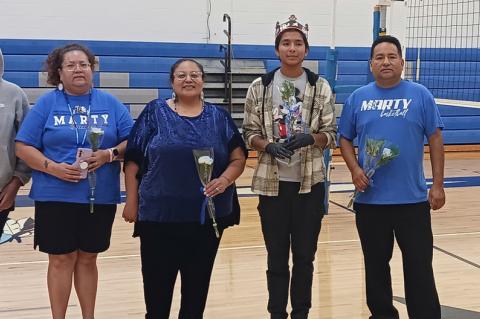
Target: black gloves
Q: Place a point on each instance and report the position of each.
(278, 150)
(299, 140)
(285, 150)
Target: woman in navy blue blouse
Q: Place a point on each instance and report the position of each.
(166, 203)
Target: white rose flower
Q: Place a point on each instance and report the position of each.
(386, 152)
(292, 101)
(96, 130)
(205, 160)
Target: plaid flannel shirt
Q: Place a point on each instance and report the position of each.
(318, 111)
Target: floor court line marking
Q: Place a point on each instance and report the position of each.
(31, 309)
(342, 206)
(446, 252)
(245, 248)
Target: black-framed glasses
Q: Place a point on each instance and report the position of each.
(73, 66)
(194, 75)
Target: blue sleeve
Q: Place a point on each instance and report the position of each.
(346, 127)
(32, 128)
(140, 135)
(124, 121)
(431, 114)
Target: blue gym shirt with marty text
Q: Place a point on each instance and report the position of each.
(49, 127)
(403, 116)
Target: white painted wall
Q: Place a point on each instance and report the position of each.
(397, 20)
(183, 20)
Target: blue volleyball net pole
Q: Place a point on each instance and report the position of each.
(331, 77)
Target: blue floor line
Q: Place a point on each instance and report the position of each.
(449, 182)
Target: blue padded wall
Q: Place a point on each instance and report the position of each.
(143, 66)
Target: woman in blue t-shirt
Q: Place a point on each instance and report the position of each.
(168, 203)
(71, 132)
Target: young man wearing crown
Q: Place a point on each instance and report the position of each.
(289, 177)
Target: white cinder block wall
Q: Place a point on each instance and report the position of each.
(253, 21)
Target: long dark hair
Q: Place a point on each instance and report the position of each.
(55, 59)
(180, 61)
(279, 38)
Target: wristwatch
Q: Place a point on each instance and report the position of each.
(113, 153)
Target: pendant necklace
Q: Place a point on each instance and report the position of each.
(79, 112)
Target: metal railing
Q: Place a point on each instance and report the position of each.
(227, 63)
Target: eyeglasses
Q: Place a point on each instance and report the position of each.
(72, 66)
(194, 75)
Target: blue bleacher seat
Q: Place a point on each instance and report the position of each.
(139, 71)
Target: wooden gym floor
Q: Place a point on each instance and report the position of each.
(238, 286)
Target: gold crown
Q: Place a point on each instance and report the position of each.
(292, 23)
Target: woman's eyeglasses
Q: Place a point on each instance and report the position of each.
(194, 75)
(73, 66)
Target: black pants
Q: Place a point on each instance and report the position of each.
(410, 224)
(3, 218)
(190, 250)
(291, 220)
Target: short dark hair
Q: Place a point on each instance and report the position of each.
(279, 38)
(55, 59)
(386, 38)
(180, 61)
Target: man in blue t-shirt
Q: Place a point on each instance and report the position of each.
(394, 203)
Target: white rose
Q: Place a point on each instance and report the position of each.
(96, 130)
(205, 160)
(386, 152)
(292, 101)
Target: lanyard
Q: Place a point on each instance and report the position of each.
(73, 119)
